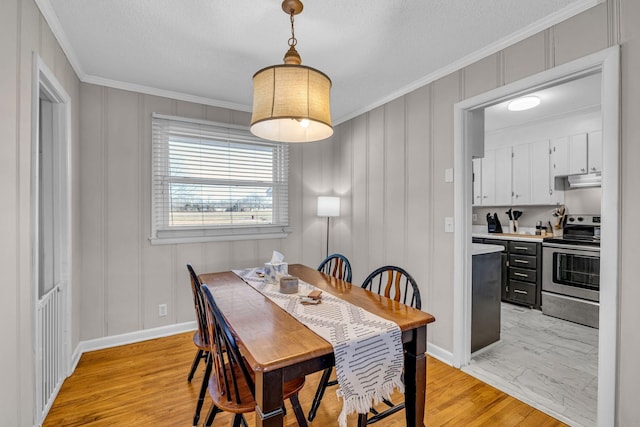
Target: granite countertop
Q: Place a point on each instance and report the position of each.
(481, 249)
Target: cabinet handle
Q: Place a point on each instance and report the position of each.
(521, 248)
(518, 291)
(515, 273)
(521, 261)
(593, 169)
(484, 197)
(582, 170)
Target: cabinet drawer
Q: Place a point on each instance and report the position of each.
(523, 261)
(498, 242)
(522, 274)
(522, 292)
(523, 248)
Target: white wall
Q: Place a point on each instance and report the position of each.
(401, 220)
(22, 32)
(388, 165)
(124, 277)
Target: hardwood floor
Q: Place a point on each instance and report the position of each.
(145, 384)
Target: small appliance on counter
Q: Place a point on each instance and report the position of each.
(493, 223)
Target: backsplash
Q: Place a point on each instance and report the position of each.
(576, 201)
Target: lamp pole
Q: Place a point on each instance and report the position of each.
(328, 207)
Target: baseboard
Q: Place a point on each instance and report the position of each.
(130, 338)
(439, 353)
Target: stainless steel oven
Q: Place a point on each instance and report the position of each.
(571, 272)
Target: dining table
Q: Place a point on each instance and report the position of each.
(280, 348)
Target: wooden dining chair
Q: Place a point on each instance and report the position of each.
(397, 284)
(338, 266)
(200, 339)
(232, 385)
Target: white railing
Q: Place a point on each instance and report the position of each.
(50, 349)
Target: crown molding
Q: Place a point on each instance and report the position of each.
(149, 90)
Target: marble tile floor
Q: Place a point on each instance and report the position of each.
(548, 363)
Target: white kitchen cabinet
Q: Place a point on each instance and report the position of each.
(594, 151)
(543, 190)
(503, 178)
(569, 155)
(522, 179)
(578, 154)
(477, 182)
(492, 178)
(488, 178)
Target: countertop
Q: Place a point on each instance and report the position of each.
(507, 236)
(481, 249)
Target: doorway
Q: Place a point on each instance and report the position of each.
(50, 177)
(469, 117)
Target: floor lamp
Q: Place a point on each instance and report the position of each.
(328, 206)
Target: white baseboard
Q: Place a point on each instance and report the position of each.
(129, 338)
(440, 354)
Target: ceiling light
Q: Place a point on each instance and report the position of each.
(291, 101)
(524, 103)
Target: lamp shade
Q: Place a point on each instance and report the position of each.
(328, 206)
(291, 103)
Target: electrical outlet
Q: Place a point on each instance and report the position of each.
(474, 217)
(162, 310)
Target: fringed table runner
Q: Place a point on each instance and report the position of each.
(368, 349)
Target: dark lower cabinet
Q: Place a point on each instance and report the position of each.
(521, 271)
(524, 272)
(485, 303)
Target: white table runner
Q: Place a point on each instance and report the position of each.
(368, 349)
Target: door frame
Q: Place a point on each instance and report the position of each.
(467, 114)
(44, 80)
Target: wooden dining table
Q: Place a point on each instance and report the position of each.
(280, 348)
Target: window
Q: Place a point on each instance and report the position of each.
(214, 181)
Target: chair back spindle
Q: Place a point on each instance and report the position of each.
(336, 265)
(394, 283)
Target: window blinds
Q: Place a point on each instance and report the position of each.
(214, 180)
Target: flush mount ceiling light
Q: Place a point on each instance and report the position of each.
(291, 101)
(524, 103)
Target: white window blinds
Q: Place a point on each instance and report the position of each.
(214, 181)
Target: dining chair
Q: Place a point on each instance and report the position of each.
(397, 284)
(338, 266)
(232, 385)
(200, 339)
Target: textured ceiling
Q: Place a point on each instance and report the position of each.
(373, 50)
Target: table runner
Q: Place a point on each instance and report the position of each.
(368, 349)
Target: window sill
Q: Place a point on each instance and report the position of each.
(224, 235)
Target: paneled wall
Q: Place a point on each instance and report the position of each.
(24, 31)
(125, 278)
(397, 189)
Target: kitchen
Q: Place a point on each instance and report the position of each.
(537, 197)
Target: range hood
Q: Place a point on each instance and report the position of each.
(584, 180)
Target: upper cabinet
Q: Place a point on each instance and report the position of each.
(533, 183)
(594, 151)
(577, 154)
(521, 165)
(492, 178)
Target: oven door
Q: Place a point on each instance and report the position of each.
(571, 270)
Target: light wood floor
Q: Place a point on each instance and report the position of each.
(145, 384)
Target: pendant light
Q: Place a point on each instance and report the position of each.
(291, 102)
